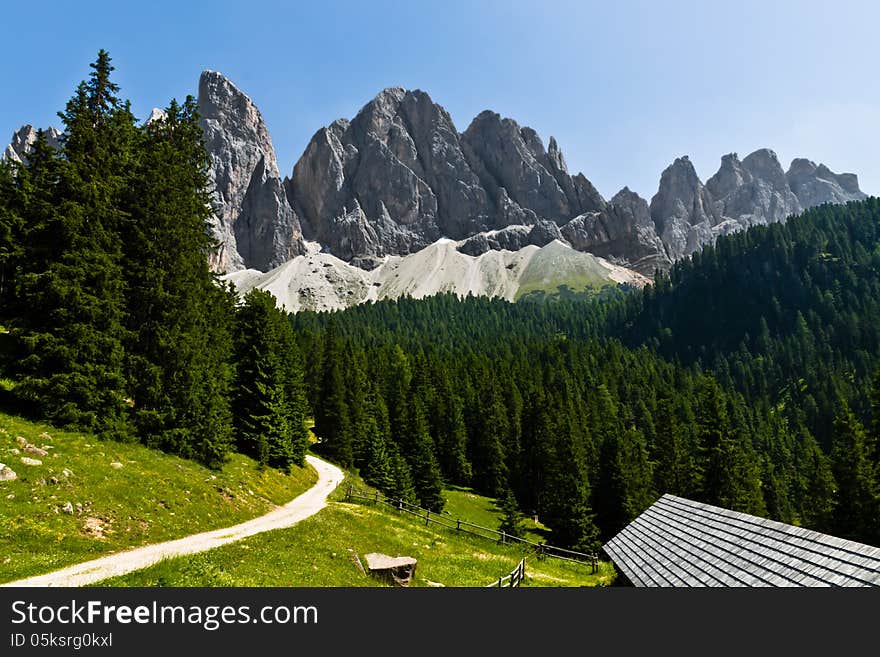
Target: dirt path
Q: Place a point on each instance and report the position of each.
(307, 504)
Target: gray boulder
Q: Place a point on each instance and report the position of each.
(7, 473)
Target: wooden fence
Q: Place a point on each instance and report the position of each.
(512, 580)
(541, 549)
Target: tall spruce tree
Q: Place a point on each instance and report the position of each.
(452, 435)
(486, 442)
(71, 335)
(332, 421)
(268, 397)
(179, 319)
(729, 475)
(11, 233)
(857, 515)
(670, 455)
(815, 492)
(417, 447)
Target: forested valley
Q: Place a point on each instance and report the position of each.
(745, 377)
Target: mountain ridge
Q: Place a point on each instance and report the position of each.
(399, 176)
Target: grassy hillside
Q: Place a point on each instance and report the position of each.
(120, 495)
(319, 552)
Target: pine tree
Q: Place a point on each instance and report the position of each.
(377, 470)
(378, 459)
(269, 402)
(402, 487)
(332, 421)
(670, 455)
(178, 317)
(730, 478)
(418, 449)
(817, 491)
(565, 499)
(71, 339)
(858, 509)
(486, 448)
(512, 522)
(452, 436)
(12, 228)
(355, 376)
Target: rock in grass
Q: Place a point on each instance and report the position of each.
(30, 461)
(7, 473)
(36, 451)
(116, 465)
(67, 508)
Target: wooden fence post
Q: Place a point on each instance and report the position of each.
(377, 497)
(427, 517)
(348, 494)
(458, 524)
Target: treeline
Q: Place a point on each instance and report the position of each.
(114, 322)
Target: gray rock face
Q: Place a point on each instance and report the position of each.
(815, 185)
(509, 157)
(623, 232)
(755, 191)
(509, 238)
(253, 221)
(399, 165)
(23, 142)
(399, 176)
(402, 167)
(683, 210)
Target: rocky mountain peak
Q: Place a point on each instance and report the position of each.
(730, 175)
(23, 141)
(156, 114)
(816, 184)
(683, 210)
(253, 221)
(764, 164)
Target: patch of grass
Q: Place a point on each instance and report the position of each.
(318, 552)
(463, 503)
(147, 497)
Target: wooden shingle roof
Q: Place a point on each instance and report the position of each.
(679, 542)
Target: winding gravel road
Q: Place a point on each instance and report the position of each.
(301, 507)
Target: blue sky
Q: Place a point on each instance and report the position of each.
(624, 86)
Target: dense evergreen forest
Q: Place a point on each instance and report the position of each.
(112, 321)
(743, 378)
